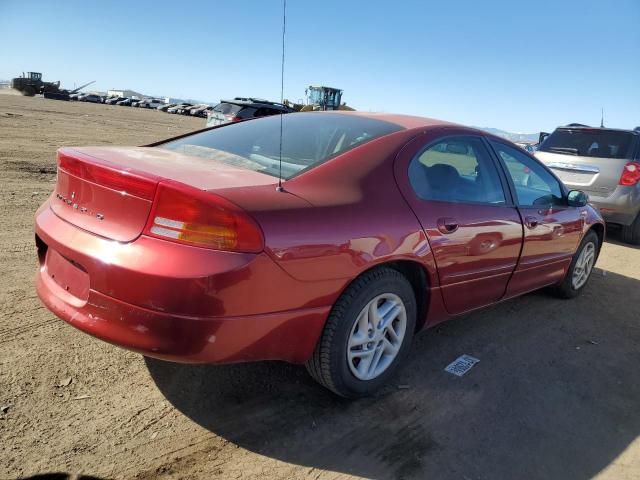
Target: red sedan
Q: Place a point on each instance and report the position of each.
(188, 250)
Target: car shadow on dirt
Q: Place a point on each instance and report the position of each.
(555, 395)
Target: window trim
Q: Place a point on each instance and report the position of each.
(506, 188)
(512, 187)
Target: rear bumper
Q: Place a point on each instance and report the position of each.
(176, 302)
(621, 207)
(290, 336)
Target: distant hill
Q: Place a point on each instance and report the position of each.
(514, 137)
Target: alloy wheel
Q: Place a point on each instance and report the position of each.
(376, 336)
(583, 266)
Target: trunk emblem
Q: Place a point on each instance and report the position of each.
(573, 166)
(75, 206)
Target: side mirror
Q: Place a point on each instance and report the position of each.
(577, 198)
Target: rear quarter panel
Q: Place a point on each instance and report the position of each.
(340, 218)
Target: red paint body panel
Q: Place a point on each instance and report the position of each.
(475, 262)
(158, 163)
(288, 336)
(91, 207)
(329, 225)
(548, 248)
(180, 279)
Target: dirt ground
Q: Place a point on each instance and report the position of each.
(556, 394)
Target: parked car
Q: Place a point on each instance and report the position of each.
(178, 107)
(150, 103)
(90, 97)
(114, 100)
(330, 247)
(186, 109)
(74, 96)
(201, 111)
(126, 102)
(166, 106)
(605, 163)
(241, 108)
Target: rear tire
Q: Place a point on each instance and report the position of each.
(28, 91)
(631, 233)
(579, 271)
(367, 334)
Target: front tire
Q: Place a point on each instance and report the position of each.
(580, 268)
(367, 334)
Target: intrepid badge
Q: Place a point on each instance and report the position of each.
(72, 203)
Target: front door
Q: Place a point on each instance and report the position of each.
(552, 229)
(475, 232)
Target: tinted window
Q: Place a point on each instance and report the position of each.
(227, 108)
(247, 112)
(308, 139)
(264, 112)
(456, 169)
(533, 183)
(588, 142)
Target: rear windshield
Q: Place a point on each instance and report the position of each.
(589, 143)
(227, 108)
(308, 139)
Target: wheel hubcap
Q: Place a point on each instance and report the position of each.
(376, 336)
(584, 265)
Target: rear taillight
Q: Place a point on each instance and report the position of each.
(186, 215)
(630, 174)
(233, 118)
(120, 180)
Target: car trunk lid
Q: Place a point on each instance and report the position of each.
(592, 174)
(109, 191)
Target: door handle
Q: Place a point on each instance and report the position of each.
(531, 221)
(447, 225)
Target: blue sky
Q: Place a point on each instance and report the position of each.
(522, 66)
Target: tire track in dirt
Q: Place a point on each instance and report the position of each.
(20, 247)
(30, 168)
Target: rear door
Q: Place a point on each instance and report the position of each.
(456, 190)
(552, 229)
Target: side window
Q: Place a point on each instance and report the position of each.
(534, 184)
(265, 112)
(456, 169)
(247, 112)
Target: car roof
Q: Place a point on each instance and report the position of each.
(579, 126)
(257, 102)
(407, 121)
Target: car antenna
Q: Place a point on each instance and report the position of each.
(284, 28)
(602, 117)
